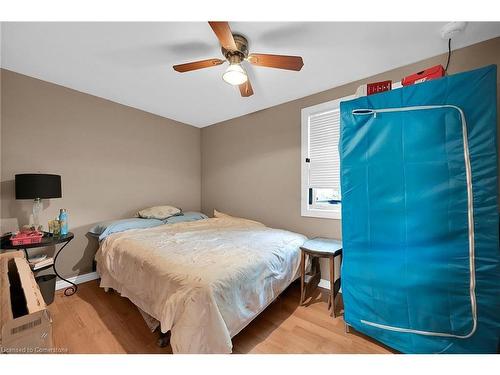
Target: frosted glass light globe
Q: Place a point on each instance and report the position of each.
(235, 75)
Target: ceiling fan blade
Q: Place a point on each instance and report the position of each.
(181, 68)
(224, 34)
(246, 89)
(276, 61)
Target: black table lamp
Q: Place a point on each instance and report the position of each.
(38, 186)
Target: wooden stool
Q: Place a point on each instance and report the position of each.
(320, 248)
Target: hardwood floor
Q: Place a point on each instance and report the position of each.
(92, 321)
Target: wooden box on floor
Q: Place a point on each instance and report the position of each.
(25, 323)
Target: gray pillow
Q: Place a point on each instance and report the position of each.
(159, 212)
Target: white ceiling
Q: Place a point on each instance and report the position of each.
(131, 62)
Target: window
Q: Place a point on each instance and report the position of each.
(321, 195)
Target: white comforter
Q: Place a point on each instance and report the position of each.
(204, 280)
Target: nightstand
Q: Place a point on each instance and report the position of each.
(320, 248)
(47, 240)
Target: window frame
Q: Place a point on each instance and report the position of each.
(335, 212)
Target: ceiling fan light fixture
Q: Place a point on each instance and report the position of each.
(234, 48)
(235, 75)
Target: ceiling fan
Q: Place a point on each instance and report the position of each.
(235, 50)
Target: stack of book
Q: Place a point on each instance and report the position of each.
(40, 261)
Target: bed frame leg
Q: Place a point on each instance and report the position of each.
(347, 328)
(163, 339)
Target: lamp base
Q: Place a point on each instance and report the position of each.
(37, 208)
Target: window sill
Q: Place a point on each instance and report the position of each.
(322, 214)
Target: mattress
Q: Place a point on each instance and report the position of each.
(204, 280)
(421, 265)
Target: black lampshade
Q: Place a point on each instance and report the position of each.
(36, 185)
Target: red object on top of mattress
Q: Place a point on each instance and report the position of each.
(375, 88)
(425, 75)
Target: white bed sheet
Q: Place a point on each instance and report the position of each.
(204, 280)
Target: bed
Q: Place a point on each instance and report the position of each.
(205, 280)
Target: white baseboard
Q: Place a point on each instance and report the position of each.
(325, 284)
(61, 284)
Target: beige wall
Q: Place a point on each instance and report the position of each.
(251, 164)
(113, 159)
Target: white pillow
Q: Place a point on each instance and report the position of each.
(220, 214)
(159, 212)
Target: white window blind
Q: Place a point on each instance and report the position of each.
(320, 169)
(324, 161)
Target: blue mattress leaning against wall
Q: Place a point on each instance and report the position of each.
(421, 267)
